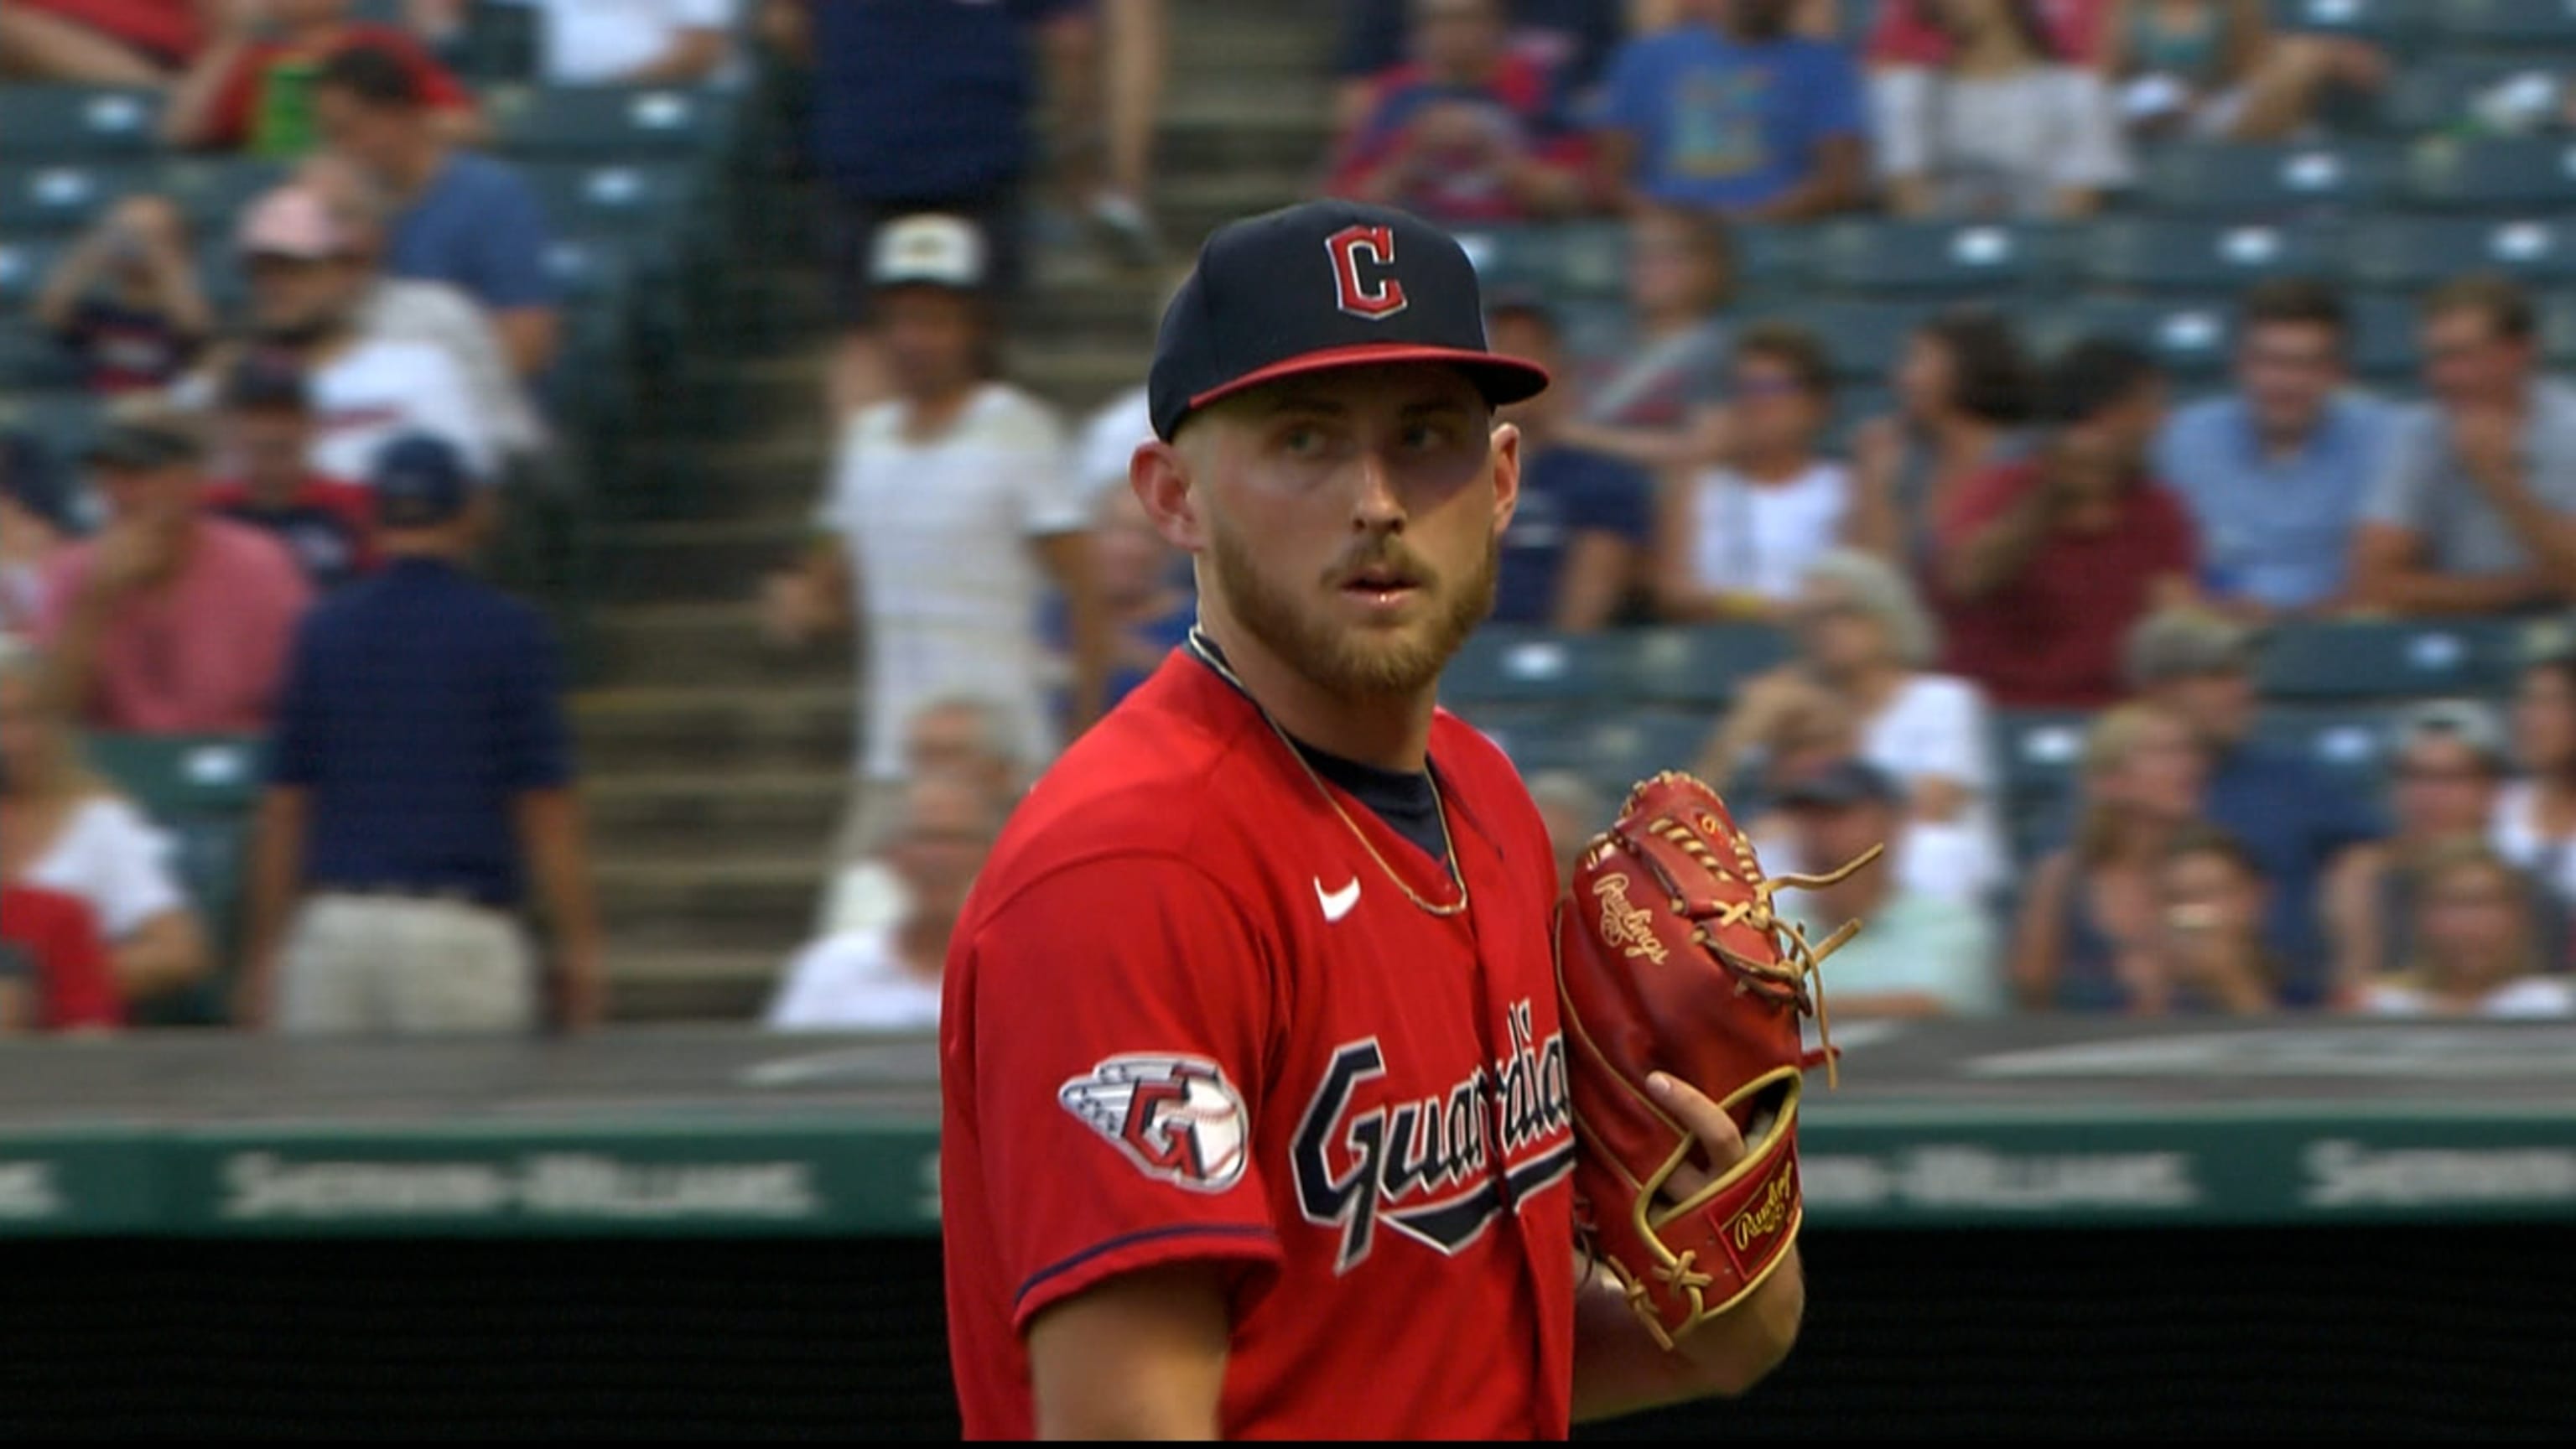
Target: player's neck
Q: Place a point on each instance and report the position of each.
(1391, 732)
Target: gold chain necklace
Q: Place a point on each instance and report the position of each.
(1200, 646)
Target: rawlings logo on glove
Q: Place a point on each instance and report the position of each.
(1669, 959)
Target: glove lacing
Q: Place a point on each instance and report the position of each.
(1783, 981)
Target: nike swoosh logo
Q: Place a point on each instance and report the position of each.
(1337, 904)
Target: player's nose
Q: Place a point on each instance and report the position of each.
(1376, 507)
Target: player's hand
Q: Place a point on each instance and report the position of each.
(1719, 1141)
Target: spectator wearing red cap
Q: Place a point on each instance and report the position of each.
(251, 87)
(169, 622)
(267, 478)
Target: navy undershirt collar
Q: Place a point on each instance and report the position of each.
(1404, 799)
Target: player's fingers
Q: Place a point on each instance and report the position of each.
(1720, 1143)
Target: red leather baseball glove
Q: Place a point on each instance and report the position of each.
(1669, 959)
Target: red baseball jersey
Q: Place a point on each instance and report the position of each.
(1189, 1018)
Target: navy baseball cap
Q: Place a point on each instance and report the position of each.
(1321, 285)
(1844, 782)
(420, 481)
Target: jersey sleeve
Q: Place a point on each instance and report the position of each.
(1121, 1015)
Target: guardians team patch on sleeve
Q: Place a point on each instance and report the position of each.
(1176, 1117)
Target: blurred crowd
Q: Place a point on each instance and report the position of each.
(275, 533)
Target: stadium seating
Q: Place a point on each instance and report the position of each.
(1702, 666)
(606, 123)
(1621, 749)
(2525, 173)
(1529, 665)
(2505, 24)
(2160, 255)
(2350, 744)
(2407, 253)
(1928, 259)
(2448, 92)
(51, 199)
(2269, 182)
(2345, 662)
(1864, 338)
(2394, 23)
(79, 123)
(30, 359)
(2191, 337)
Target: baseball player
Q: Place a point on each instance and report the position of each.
(1256, 1118)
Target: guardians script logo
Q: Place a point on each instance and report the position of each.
(1426, 1167)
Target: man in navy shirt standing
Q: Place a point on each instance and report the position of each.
(420, 776)
(925, 107)
(1574, 551)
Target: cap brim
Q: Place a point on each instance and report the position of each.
(1503, 380)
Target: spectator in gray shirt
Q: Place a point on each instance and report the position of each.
(2474, 508)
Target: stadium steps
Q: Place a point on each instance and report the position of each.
(716, 767)
(690, 983)
(706, 645)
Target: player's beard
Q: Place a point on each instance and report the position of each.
(1348, 662)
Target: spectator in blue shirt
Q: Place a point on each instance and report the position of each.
(459, 218)
(2292, 818)
(1729, 111)
(1572, 555)
(420, 774)
(2274, 472)
(924, 107)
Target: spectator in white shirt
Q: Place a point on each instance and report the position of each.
(1865, 645)
(64, 829)
(633, 42)
(886, 977)
(309, 280)
(2006, 128)
(1734, 539)
(951, 507)
(415, 309)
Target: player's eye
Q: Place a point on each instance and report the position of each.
(1430, 437)
(1304, 440)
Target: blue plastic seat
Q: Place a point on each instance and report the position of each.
(1621, 750)
(2269, 182)
(2518, 25)
(2351, 744)
(606, 123)
(2443, 91)
(1865, 339)
(1505, 664)
(2351, 661)
(2190, 336)
(50, 199)
(2384, 329)
(2414, 252)
(2160, 255)
(2523, 173)
(25, 262)
(2394, 23)
(30, 359)
(79, 123)
(1701, 665)
(1927, 258)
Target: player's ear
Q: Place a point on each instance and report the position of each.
(1505, 460)
(1160, 474)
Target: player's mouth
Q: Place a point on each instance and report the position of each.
(1381, 586)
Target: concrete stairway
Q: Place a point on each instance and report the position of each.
(717, 766)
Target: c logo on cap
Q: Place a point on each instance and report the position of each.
(1378, 295)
